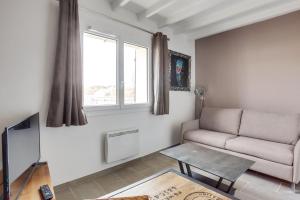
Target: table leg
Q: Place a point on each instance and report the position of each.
(230, 186)
(219, 182)
(189, 172)
(181, 167)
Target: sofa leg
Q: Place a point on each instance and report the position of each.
(296, 187)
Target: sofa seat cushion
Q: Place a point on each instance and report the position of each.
(272, 151)
(225, 120)
(212, 138)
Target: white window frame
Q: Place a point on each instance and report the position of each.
(120, 103)
(106, 107)
(137, 105)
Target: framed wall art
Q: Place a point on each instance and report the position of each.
(180, 71)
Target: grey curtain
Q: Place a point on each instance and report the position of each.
(66, 95)
(160, 75)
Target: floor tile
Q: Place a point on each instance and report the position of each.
(128, 174)
(110, 182)
(88, 190)
(64, 195)
(250, 186)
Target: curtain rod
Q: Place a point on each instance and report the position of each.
(117, 20)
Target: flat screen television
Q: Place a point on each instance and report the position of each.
(20, 155)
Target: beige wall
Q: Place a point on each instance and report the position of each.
(257, 66)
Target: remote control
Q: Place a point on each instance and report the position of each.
(46, 192)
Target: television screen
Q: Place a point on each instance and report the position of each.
(21, 152)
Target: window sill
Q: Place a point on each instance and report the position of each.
(92, 111)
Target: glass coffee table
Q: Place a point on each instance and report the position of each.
(223, 165)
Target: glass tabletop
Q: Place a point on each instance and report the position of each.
(215, 162)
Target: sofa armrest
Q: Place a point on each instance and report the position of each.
(189, 126)
(296, 165)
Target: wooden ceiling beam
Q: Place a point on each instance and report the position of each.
(119, 3)
(156, 8)
(250, 18)
(191, 10)
(239, 8)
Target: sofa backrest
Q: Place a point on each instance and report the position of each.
(224, 120)
(282, 128)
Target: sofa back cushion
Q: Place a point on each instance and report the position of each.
(282, 128)
(221, 119)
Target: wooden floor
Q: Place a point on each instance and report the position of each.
(250, 186)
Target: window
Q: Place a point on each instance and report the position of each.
(109, 82)
(135, 74)
(100, 70)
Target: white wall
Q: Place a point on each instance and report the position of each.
(27, 49)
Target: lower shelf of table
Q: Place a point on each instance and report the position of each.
(212, 182)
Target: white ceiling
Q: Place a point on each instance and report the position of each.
(201, 18)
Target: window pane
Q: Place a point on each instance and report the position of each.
(135, 74)
(99, 64)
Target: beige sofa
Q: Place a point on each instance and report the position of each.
(269, 139)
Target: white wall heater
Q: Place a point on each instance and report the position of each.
(121, 144)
